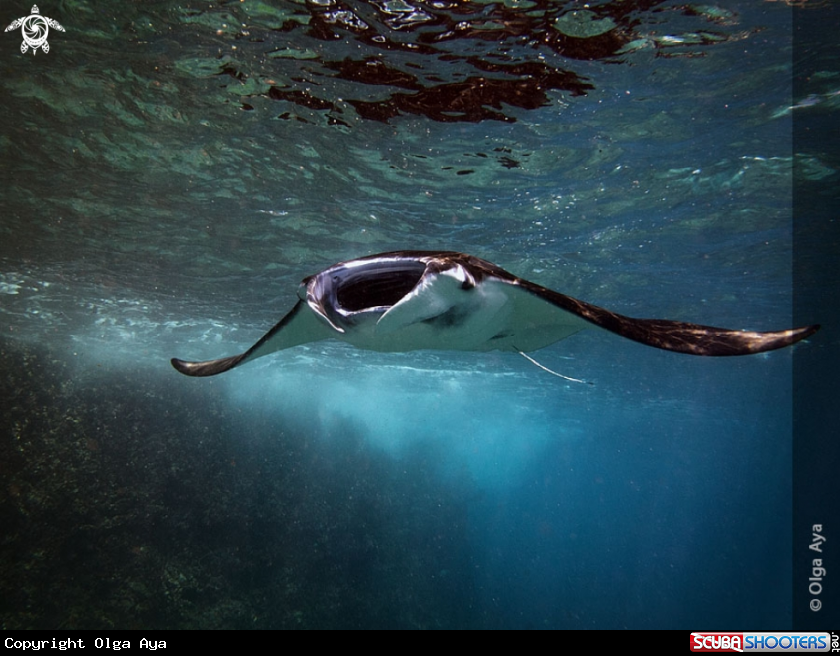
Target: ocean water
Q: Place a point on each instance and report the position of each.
(171, 171)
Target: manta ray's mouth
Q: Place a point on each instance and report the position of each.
(375, 285)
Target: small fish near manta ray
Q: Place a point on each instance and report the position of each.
(412, 300)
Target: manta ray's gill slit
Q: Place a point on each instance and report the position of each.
(383, 287)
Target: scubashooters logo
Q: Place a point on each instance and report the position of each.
(35, 29)
(755, 642)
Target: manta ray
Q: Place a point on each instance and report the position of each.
(412, 300)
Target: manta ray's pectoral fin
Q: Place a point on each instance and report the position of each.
(678, 336)
(300, 326)
(707, 340)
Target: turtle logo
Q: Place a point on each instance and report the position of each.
(35, 29)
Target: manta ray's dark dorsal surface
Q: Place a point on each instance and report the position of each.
(410, 300)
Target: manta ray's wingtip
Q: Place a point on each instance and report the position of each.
(181, 365)
(746, 343)
(207, 368)
(795, 335)
(804, 332)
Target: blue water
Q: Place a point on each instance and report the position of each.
(170, 173)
